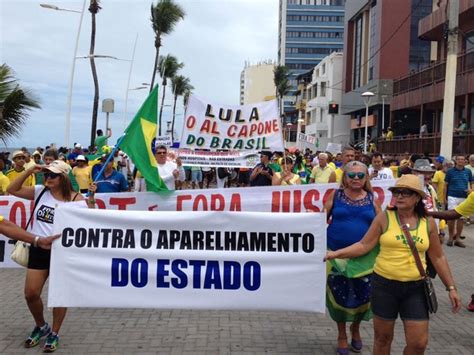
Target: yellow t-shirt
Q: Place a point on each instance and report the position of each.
(339, 172)
(332, 165)
(4, 182)
(389, 135)
(395, 260)
(1, 218)
(83, 176)
(321, 175)
(394, 169)
(466, 208)
(438, 178)
(293, 180)
(12, 174)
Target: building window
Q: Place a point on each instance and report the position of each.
(372, 40)
(323, 69)
(323, 89)
(469, 41)
(357, 51)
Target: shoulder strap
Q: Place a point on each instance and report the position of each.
(77, 194)
(34, 206)
(414, 251)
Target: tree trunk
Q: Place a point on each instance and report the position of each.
(157, 58)
(96, 83)
(154, 68)
(174, 116)
(161, 108)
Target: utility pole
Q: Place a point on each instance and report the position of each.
(450, 80)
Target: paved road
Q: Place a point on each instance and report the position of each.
(143, 331)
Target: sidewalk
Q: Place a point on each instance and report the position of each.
(145, 331)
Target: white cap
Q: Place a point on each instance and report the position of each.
(81, 158)
(78, 146)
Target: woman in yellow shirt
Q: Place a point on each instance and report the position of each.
(82, 173)
(397, 287)
(286, 177)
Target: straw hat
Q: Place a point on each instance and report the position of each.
(58, 167)
(18, 153)
(410, 182)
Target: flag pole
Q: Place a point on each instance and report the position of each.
(111, 155)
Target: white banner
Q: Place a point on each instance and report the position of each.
(232, 159)
(307, 138)
(296, 198)
(209, 125)
(190, 260)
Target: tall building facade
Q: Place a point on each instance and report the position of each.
(381, 44)
(323, 91)
(418, 95)
(309, 30)
(256, 83)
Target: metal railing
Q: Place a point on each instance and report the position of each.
(432, 74)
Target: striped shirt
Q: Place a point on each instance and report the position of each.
(459, 180)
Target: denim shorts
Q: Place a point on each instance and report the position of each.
(389, 298)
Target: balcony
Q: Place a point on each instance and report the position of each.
(431, 27)
(427, 85)
(462, 143)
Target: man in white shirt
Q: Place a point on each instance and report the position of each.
(377, 171)
(169, 170)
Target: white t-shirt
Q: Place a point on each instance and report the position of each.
(384, 174)
(166, 172)
(43, 216)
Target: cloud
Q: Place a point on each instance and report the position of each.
(214, 40)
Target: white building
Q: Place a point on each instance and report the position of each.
(326, 88)
(256, 83)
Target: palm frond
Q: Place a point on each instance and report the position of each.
(165, 15)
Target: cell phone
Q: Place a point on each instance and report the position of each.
(376, 171)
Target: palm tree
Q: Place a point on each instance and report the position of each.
(181, 85)
(168, 69)
(164, 16)
(94, 8)
(282, 84)
(15, 102)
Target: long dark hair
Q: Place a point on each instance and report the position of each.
(420, 209)
(66, 187)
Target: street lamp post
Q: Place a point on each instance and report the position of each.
(71, 78)
(383, 112)
(128, 84)
(288, 126)
(367, 96)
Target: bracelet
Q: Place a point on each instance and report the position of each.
(35, 243)
(451, 288)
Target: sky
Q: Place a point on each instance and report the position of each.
(213, 41)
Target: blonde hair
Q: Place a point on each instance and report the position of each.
(367, 185)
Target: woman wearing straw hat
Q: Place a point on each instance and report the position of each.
(56, 192)
(397, 285)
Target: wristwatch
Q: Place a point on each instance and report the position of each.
(451, 288)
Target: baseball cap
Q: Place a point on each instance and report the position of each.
(18, 153)
(440, 159)
(77, 145)
(58, 167)
(81, 158)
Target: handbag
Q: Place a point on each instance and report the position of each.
(428, 287)
(21, 251)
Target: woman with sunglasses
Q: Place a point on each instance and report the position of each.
(56, 192)
(397, 285)
(287, 176)
(351, 209)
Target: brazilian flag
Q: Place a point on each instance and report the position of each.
(139, 138)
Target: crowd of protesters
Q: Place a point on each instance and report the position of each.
(434, 183)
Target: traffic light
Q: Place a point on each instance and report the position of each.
(333, 108)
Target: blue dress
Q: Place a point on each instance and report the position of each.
(347, 298)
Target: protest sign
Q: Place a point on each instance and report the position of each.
(334, 148)
(190, 260)
(209, 125)
(163, 140)
(234, 159)
(296, 198)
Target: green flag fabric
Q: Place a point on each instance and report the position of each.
(138, 140)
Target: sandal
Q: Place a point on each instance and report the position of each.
(459, 244)
(356, 346)
(450, 243)
(342, 351)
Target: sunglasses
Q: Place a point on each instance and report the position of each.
(352, 175)
(19, 158)
(50, 175)
(160, 153)
(402, 192)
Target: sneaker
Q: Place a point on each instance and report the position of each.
(51, 343)
(36, 335)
